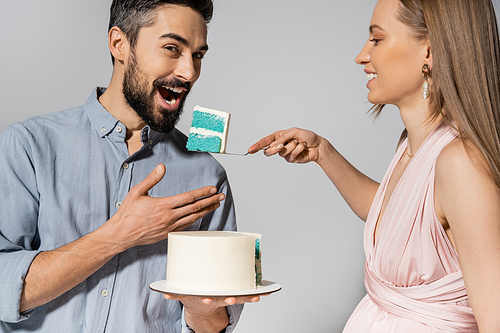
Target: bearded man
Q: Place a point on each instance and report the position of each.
(89, 194)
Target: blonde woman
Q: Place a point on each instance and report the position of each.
(432, 234)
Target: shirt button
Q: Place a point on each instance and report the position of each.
(104, 293)
(125, 166)
(118, 204)
(103, 130)
(119, 129)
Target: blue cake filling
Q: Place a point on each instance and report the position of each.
(208, 121)
(199, 142)
(258, 267)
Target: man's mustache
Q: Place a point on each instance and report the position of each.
(173, 83)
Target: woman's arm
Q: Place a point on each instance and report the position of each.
(302, 146)
(468, 201)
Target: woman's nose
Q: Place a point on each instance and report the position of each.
(364, 56)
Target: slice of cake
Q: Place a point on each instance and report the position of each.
(208, 130)
(213, 261)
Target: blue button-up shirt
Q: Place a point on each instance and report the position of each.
(65, 174)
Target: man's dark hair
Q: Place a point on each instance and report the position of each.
(132, 15)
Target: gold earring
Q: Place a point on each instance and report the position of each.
(425, 73)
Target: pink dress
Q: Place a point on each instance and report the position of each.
(412, 274)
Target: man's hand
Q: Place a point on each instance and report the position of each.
(208, 314)
(143, 220)
(140, 220)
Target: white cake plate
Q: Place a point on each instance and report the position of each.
(267, 287)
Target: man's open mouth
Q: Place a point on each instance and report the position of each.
(170, 95)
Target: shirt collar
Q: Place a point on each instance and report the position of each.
(104, 122)
(150, 136)
(101, 119)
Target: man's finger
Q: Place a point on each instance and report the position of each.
(194, 196)
(188, 218)
(150, 181)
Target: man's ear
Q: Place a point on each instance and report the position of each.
(118, 44)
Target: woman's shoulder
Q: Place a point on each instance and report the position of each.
(453, 156)
(463, 181)
(459, 161)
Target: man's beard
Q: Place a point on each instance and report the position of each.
(142, 102)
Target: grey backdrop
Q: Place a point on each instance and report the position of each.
(272, 65)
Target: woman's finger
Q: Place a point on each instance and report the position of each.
(289, 147)
(299, 149)
(266, 141)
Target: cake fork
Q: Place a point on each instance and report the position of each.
(245, 154)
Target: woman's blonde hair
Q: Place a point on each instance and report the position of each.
(465, 87)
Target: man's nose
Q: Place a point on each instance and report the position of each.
(186, 70)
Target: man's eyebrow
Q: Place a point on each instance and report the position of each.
(204, 47)
(182, 40)
(374, 26)
(177, 37)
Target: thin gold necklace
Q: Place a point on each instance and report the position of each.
(406, 151)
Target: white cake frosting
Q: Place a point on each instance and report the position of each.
(206, 132)
(212, 261)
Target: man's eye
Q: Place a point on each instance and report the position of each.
(171, 48)
(198, 56)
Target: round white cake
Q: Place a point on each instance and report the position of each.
(212, 261)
